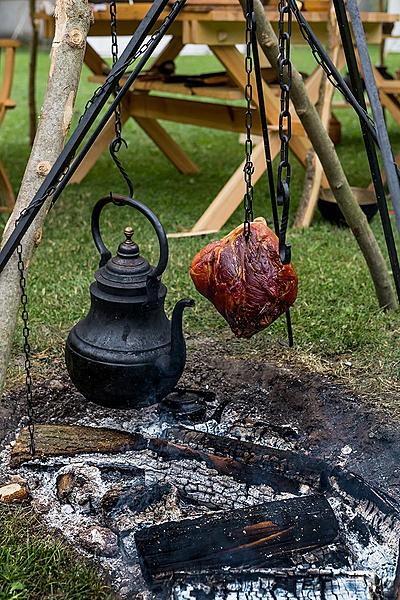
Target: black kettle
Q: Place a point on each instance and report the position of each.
(126, 353)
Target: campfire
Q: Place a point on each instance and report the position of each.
(231, 506)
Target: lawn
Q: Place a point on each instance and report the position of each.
(34, 565)
(336, 318)
(338, 326)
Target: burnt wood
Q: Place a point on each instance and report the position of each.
(278, 584)
(283, 470)
(252, 537)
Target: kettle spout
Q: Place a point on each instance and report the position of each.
(177, 358)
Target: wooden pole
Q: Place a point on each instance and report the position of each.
(72, 25)
(33, 47)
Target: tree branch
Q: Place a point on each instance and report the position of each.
(72, 25)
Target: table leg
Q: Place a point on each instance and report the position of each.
(154, 130)
(170, 52)
(386, 100)
(305, 213)
(233, 62)
(167, 145)
(94, 61)
(231, 195)
(102, 142)
(6, 191)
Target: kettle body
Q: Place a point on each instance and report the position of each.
(126, 353)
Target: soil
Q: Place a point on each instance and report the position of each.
(316, 413)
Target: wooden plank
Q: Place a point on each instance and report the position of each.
(134, 13)
(168, 146)
(202, 114)
(69, 440)
(260, 535)
(222, 92)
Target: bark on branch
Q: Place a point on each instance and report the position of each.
(325, 150)
(72, 25)
(33, 47)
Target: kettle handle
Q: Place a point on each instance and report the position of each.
(105, 254)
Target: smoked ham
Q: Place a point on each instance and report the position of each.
(246, 280)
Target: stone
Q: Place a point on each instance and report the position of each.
(13, 492)
(80, 486)
(99, 541)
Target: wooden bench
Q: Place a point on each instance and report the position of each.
(7, 57)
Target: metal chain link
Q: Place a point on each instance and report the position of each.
(285, 125)
(27, 350)
(40, 201)
(114, 52)
(248, 92)
(118, 141)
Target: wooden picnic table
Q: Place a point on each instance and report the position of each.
(220, 26)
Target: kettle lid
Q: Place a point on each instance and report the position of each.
(126, 273)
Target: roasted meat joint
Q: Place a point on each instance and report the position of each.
(245, 279)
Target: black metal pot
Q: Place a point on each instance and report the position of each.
(126, 353)
(330, 210)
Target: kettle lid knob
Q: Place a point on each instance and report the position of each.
(128, 248)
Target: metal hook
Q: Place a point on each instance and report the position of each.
(114, 148)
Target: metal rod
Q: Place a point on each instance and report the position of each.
(357, 86)
(392, 178)
(267, 151)
(86, 122)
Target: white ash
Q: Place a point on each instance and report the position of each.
(192, 490)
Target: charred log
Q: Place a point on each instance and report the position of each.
(255, 537)
(274, 584)
(283, 470)
(69, 440)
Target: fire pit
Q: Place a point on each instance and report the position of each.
(281, 492)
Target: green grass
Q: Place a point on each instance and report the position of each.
(336, 319)
(35, 565)
(336, 314)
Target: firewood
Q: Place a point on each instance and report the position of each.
(69, 440)
(283, 470)
(254, 537)
(279, 584)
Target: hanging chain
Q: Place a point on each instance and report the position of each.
(118, 141)
(248, 92)
(285, 125)
(27, 350)
(267, 151)
(114, 52)
(49, 192)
